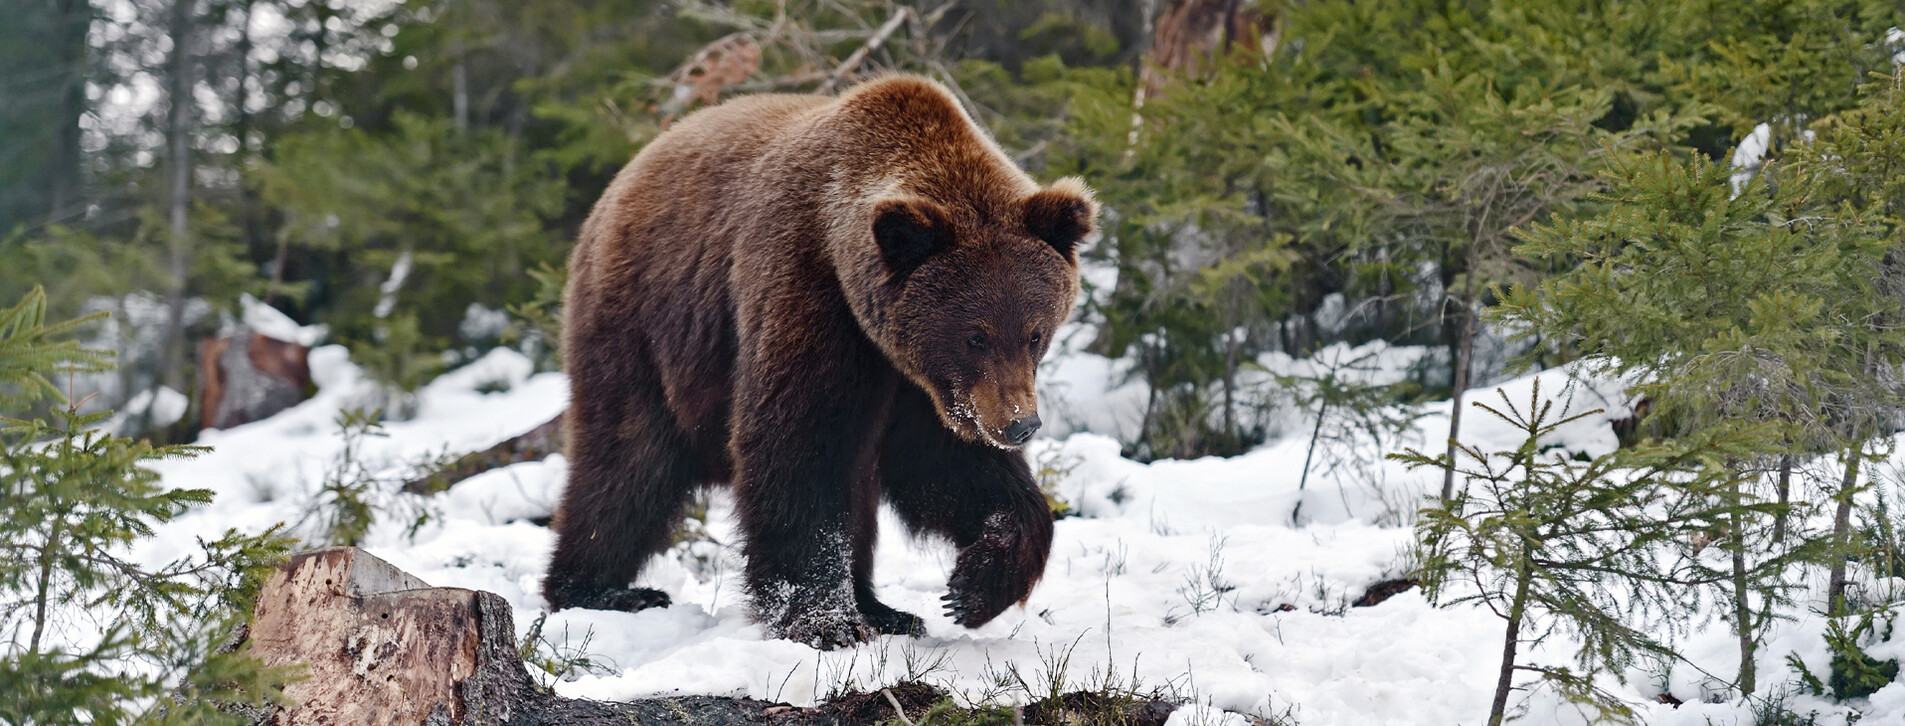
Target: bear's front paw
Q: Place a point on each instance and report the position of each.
(633, 599)
(827, 629)
(888, 621)
(626, 599)
(992, 573)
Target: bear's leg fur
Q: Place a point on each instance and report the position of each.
(866, 524)
(631, 472)
(806, 418)
(983, 498)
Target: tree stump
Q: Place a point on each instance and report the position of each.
(248, 376)
(382, 647)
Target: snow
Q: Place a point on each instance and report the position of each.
(1748, 156)
(167, 406)
(268, 321)
(1188, 577)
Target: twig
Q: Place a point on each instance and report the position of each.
(873, 43)
(888, 692)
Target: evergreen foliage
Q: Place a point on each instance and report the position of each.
(1602, 550)
(1771, 303)
(93, 636)
(1419, 172)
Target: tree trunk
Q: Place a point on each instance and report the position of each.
(1321, 412)
(1505, 681)
(246, 377)
(63, 179)
(1461, 349)
(1742, 607)
(538, 444)
(1841, 529)
(249, 221)
(1785, 498)
(179, 138)
(43, 70)
(460, 97)
(1230, 387)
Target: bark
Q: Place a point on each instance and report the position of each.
(1191, 37)
(1742, 607)
(43, 68)
(1841, 530)
(1785, 497)
(249, 219)
(1462, 348)
(1230, 387)
(460, 96)
(247, 377)
(179, 142)
(63, 179)
(1188, 37)
(1505, 680)
(538, 444)
(1743, 617)
(1321, 412)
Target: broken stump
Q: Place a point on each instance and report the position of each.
(382, 647)
(247, 376)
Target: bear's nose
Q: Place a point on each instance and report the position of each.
(1021, 431)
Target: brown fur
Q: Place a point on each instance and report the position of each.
(787, 292)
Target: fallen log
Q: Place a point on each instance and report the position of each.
(535, 445)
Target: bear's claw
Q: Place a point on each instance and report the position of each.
(828, 630)
(633, 599)
(990, 575)
(586, 597)
(887, 621)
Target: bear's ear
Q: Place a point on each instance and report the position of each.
(909, 230)
(1061, 214)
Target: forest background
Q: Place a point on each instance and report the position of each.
(1279, 175)
(1705, 195)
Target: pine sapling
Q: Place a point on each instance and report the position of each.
(91, 634)
(1598, 549)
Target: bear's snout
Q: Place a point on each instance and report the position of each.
(1021, 430)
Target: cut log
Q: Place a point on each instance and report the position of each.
(246, 377)
(536, 445)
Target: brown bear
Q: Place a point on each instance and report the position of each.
(827, 302)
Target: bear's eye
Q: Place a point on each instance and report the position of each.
(1036, 338)
(977, 341)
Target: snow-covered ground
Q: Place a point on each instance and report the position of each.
(1186, 576)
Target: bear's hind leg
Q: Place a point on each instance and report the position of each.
(631, 473)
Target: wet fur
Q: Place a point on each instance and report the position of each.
(733, 316)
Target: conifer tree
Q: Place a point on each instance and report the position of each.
(1600, 549)
(1761, 307)
(90, 634)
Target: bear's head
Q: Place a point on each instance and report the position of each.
(980, 296)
